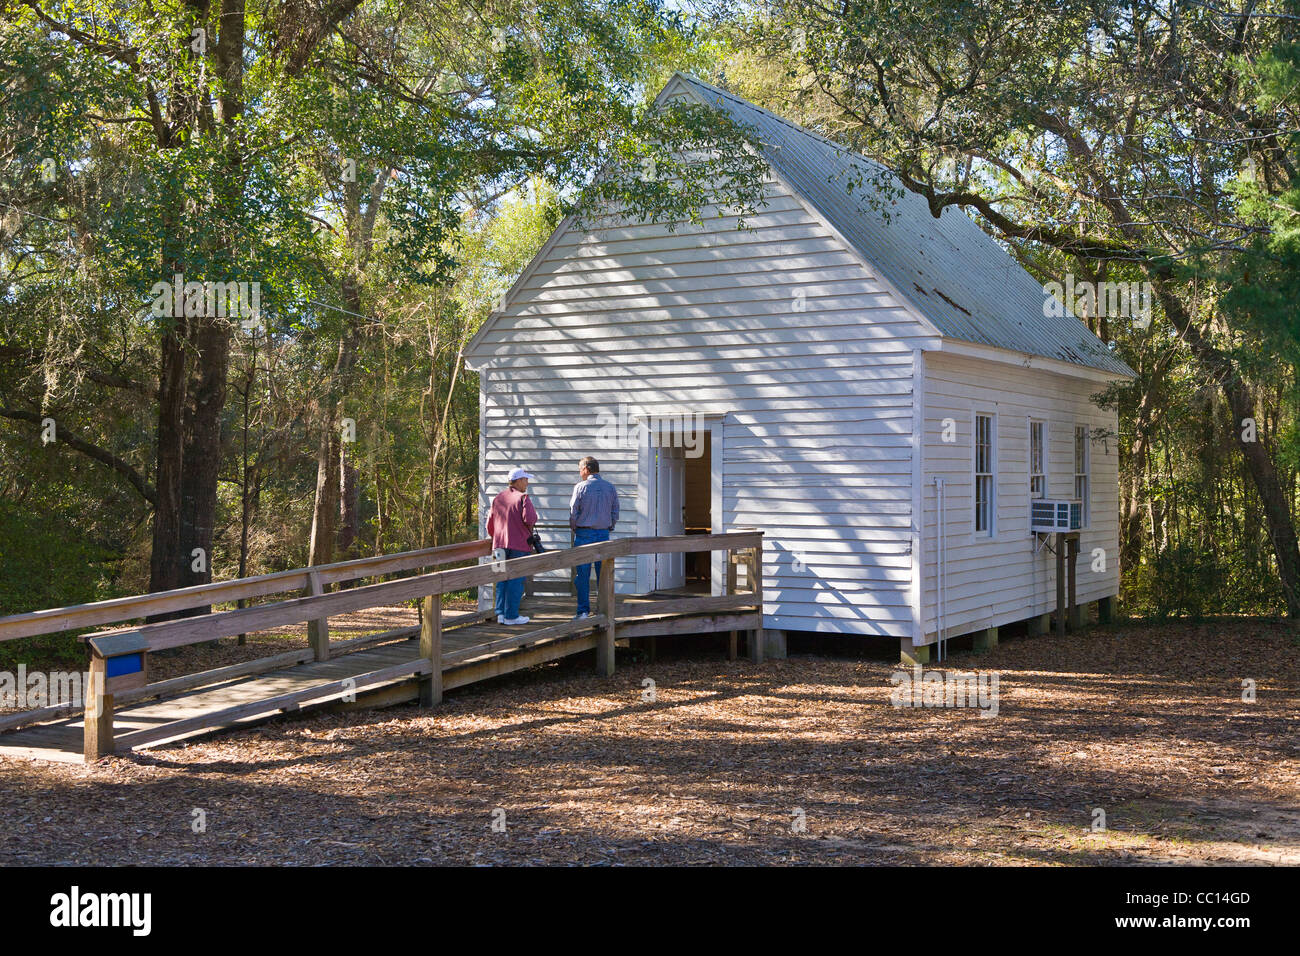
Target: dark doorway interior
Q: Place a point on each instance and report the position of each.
(698, 499)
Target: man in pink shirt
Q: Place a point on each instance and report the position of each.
(510, 523)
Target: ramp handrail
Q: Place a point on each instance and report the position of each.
(117, 610)
(210, 627)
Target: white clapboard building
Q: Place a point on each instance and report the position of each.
(883, 393)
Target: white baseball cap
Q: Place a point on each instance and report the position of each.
(520, 473)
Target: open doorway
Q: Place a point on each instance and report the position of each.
(680, 491)
(698, 495)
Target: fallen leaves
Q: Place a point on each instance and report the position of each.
(712, 771)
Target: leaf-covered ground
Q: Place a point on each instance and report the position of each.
(1145, 723)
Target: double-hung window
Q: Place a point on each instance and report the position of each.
(985, 485)
(1037, 459)
(1081, 469)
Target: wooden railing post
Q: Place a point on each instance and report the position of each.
(605, 605)
(729, 590)
(318, 631)
(431, 648)
(754, 564)
(118, 662)
(98, 735)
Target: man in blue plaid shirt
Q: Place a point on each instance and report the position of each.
(593, 512)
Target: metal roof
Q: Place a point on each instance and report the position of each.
(950, 270)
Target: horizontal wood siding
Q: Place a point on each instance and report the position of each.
(817, 431)
(991, 582)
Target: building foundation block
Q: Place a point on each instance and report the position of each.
(774, 644)
(1106, 610)
(1039, 625)
(909, 653)
(986, 639)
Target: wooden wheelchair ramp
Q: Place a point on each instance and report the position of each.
(130, 714)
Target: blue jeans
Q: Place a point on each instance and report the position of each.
(583, 571)
(509, 593)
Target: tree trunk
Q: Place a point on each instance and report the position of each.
(191, 399)
(1130, 546)
(1277, 512)
(203, 449)
(165, 569)
(349, 505)
(1139, 465)
(327, 488)
(328, 465)
(381, 507)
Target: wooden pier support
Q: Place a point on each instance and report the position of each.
(606, 605)
(986, 639)
(729, 590)
(119, 662)
(431, 649)
(1060, 585)
(1106, 610)
(1067, 557)
(1071, 569)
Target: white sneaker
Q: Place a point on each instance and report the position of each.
(501, 618)
(516, 620)
(582, 616)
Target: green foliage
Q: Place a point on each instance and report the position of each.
(1185, 581)
(44, 562)
(1263, 283)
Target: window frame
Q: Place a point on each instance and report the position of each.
(1083, 444)
(990, 532)
(1042, 472)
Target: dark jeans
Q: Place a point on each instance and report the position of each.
(582, 577)
(509, 593)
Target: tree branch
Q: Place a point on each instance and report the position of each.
(90, 450)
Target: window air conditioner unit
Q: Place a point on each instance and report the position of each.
(1047, 515)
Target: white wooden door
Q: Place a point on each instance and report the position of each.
(670, 511)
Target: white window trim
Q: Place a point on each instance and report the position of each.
(1046, 458)
(1086, 498)
(992, 533)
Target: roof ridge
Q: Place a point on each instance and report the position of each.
(839, 147)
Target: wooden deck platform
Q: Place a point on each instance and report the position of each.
(378, 675)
